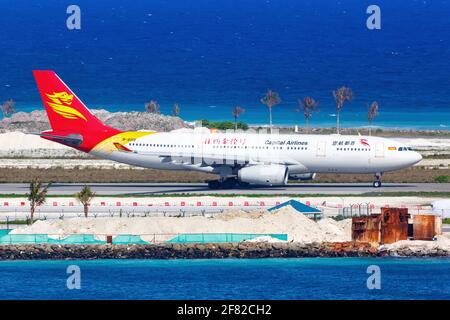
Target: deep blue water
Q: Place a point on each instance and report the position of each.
(315, 278)
(211, 55)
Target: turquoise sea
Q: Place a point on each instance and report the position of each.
(209, 56)
(312, 278)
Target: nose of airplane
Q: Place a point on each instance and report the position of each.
(415, 157)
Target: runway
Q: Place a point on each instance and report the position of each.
(201, 188)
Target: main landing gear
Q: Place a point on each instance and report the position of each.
(227, 183)
(377, 182)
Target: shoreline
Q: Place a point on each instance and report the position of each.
(212, 251)
(324, 120)
(36, 121)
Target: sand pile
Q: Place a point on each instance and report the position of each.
(336, 229)
(298, 227)
(21, 145)
(441, 243)
(238, 213)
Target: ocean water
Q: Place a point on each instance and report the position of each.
(209, 56)
(315, 278)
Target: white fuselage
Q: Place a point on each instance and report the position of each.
(224, 153)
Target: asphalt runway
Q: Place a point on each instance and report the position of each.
(201, 188)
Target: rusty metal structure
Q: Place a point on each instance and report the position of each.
(394, 225)
(366, 229)
(438, 225)
(424, 226)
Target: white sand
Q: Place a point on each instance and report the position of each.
(336, 229)
(442, 243)
(264, 239)
(21, 141)
(47, 163)
(18, 144)
(285, 221)
(426, 143)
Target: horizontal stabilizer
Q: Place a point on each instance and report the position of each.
(74, 140)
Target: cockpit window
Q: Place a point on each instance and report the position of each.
(405, 149)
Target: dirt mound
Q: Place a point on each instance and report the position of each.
(286, 220)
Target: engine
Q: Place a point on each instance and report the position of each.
(303, 176)
(264, 174)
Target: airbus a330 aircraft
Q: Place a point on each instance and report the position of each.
(237, 158)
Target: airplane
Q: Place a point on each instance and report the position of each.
(237, 158)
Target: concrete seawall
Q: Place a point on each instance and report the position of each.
(203, 251)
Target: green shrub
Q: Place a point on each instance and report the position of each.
(442, 179)
(224, 125)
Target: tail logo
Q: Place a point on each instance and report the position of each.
(60, 102)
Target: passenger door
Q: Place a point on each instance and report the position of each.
(379, 150)
(321, 148)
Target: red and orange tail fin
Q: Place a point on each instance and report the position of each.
(67, 114)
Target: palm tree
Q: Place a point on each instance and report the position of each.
(308, 105)
(85, 197)
(176, 110)
(237, 111)
(37, 195)
(270, 99)
(341, 95)
(7, 107)
(371, 114)
(152, 107)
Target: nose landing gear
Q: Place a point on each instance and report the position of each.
(377, 182)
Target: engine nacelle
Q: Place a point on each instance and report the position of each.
(303, 176)
(264, 174)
